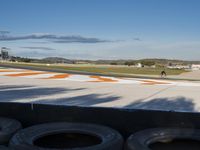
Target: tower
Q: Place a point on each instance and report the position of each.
(4, 53)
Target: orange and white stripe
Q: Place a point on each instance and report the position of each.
(85, 78)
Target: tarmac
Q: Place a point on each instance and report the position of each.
(28, 86)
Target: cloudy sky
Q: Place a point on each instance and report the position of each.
(101, 29)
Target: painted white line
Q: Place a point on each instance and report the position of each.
(82, 78)
(189, 84)
(40, 76)
(9, 73)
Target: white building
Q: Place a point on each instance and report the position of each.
(139, 65)
(179, 67)
(195, 66)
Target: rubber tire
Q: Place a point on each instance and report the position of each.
(8, 127)
(4, 148)
(111, 139)
(142, 139)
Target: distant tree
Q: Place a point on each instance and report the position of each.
(113, 63)
(160, 66)
(129, 63)
(26, 60)
(170, 64)
(148, 62)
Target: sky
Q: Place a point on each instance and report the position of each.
(101, 29)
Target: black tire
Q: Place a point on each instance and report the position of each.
(8, 127)
(110, 139)
(143, 139)
(4, 148)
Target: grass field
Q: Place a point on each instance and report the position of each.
(106, 69)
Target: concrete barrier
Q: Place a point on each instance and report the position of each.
(126, 121)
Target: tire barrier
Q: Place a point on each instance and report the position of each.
(4, 148)
(67, 136)
(164, 138)
(8, 127)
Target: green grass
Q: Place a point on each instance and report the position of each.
(107, 70)
(123, 70)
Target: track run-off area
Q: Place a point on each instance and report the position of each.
(22, 85)
(11, 72)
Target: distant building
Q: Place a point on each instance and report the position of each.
(179, 66)
(195, 66)
(4, 54)
(139, 65)
(186, 67)
(81, 62)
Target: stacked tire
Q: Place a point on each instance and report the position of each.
(8, 127)
(46, 137)
(161, 138)
(4, 148)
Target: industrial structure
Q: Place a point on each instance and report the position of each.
(4, 55)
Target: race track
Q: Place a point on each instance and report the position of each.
(22, 85)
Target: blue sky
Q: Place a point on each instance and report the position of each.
(102, 29)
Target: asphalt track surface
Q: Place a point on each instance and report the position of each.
(59, 70)
(29, 86)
